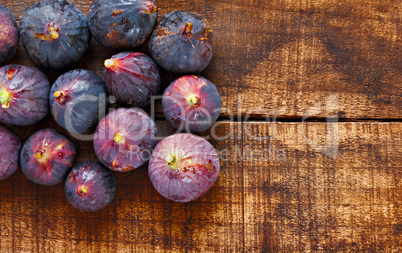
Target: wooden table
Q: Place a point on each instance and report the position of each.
(322, 172)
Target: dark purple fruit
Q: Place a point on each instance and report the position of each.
(47, 157)
(183, 167)
(124, 139)
(78, 100)
(182, 42)
(133, 78)
(90, 186)
(191, 103)
(24, 95)
(122, 24)
(9, 35)
(55, 34)
(10, 147)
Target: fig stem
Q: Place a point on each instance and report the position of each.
(170, 159)
(82, 190)
(195, 100)
(187, 29)
(54, 34)
(58, 94)
(5, 99)
(118, 137)
(38, 154)
(109, 63)
(114, 163)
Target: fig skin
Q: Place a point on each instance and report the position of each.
(183, 167)
(9, 35)
(133, 78)
(78, 100)
(24, 95)
(191, 103)
(182, 43)
(90, 186)
(47, 157)
(54, 33)
(122, 24)
(124, 139)
(9, 152)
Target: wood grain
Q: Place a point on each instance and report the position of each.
(285, 59)
(39, 218)
(277, 191)
(301, 200)
(288, 187)
(295, 55)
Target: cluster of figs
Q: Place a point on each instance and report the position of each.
(55, 35)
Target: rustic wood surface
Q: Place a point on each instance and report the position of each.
(285, 58)
(284, 186)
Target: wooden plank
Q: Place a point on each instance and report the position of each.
(299, 199)
(38, 218)
(277, 191)
(294, 55)
(288, 58)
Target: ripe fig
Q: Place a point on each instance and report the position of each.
(9, 35)
(133, 78)
(55, 34)
(182, 43)
(47, 157)
(9, 152)
(90, 186)
(122, 24)
(78, 99)
(191, 103)
(183, 167)
(24, 95)
(124, 139)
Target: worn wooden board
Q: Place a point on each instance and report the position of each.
(278, 190)
(310, 58)
(38, 218)
(290, 59)
(284, 186)
(333, 186)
